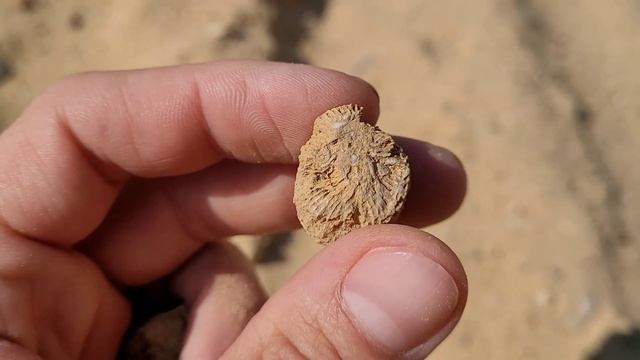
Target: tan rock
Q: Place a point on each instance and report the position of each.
(351, 174)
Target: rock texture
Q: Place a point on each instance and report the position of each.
(351, 174)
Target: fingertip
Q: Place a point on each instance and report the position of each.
(329, 88)
(407, 292)
(370, 99)
(296, 94)
(438, 183)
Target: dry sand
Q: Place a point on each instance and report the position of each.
(540, 99)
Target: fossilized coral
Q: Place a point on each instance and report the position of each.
(351, 174)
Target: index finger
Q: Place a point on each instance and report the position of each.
(64, 161)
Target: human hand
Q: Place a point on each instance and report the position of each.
(116, 179)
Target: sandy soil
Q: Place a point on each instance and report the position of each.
(539, 99)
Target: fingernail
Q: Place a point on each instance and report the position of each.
(443, 156)
(399, 299)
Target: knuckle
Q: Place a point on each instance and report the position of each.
(281, 347)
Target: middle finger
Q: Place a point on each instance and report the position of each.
(174, 217)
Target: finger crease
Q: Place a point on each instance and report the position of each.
(307, 95)
(129, 119)
(279, 340)
(272, 123)
(115, 176)
(252, 137)
(202, 119)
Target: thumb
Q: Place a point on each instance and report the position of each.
(379, 292)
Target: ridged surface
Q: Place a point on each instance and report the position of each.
(351, 174)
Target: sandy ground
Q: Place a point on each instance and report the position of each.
(540, 99)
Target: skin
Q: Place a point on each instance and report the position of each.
(116, 179)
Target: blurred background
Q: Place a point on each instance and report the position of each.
(539, 98)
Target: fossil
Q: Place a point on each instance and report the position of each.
(351, 174)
